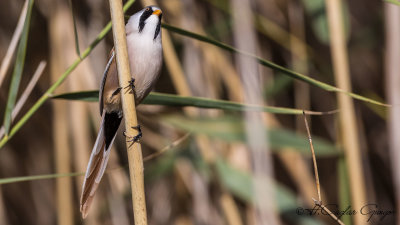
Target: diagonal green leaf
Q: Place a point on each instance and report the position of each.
(60, 80)
(37, 177)
(18, 68)
(381, 112)
(271, 65)
(88, 96)
(155, 98)
(75, 30)
(231, 129)
(175, 100)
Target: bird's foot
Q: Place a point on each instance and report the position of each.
(135, 138)
(130, 88)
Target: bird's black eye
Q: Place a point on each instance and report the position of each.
(147, 9)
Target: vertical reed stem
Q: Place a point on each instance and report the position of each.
(128, 105)
(60, 54)
(392, 66)
(348, 126)
(255, 125)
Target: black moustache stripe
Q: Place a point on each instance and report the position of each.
(146, 14)
(158, 28)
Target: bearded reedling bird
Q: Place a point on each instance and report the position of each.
(143, 35)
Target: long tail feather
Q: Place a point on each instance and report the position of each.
(98, 159)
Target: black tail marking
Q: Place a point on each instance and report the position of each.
(111, 124)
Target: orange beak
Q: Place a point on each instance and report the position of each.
(157, 12)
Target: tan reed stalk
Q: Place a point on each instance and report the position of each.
(62, 47)
(172, 62)
(134, 150)
(230, 209)
(347, 118)
(392, 66)
(62, 161)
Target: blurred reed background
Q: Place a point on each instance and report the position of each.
(210, 166)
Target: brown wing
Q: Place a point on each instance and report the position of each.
(110, 68)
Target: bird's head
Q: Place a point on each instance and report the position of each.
(146, 22)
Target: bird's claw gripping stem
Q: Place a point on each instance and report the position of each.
(130, 88)
(135, 138)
